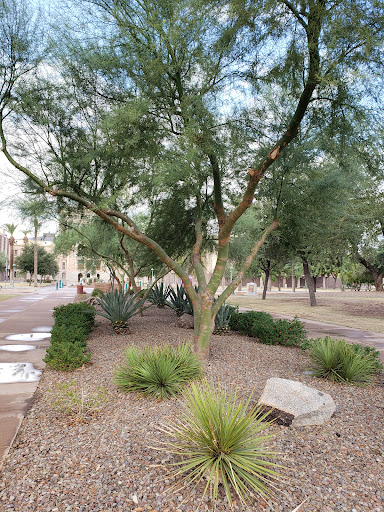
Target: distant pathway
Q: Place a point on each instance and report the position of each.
(21, 360)
(322, 329)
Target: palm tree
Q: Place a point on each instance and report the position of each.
(11, 228)
(25, 240)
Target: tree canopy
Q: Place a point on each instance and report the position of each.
(190, 105)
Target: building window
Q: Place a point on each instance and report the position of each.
(63, 265)
(16, 253)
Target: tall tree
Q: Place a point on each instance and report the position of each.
(161, 79)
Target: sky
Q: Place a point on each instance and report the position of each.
(10, 192)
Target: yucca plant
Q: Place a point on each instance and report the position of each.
(337, 360)
(160, 372)
(222, 319)
(158, 296)
(119, 306)
(220, 439)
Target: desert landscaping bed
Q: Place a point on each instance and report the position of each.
(108, 461)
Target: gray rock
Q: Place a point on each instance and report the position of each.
(308, 406)
(185, 322)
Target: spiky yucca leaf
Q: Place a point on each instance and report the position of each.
(339, 361)
(220, 439)
(158, 372)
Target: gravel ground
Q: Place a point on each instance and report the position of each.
(107, 461)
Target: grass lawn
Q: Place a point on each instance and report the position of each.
(5, 297)
(360, 310)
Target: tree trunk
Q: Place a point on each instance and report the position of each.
(266, 280)
(377, 277)
(310, 282)
(35, 262)
(293, 277)
(278, 284)
(379, 282)
(203, 326)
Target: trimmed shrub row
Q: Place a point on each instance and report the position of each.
(262, 326)
(73, 323)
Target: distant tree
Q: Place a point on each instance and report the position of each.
(47, 265)
(3, 262)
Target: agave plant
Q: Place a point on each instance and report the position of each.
(220, 438)
(179, 301)
(119, 306)
(222, 319)
(158, 296)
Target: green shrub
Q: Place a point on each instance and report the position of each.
(160, 372)
(79, 313)
(66, 356)
(118, 307)
(339, 361)
(72, 334)
(220, 439)
(279, 332)
(262, 326)
(243, 322)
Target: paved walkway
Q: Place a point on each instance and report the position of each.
(20, 366)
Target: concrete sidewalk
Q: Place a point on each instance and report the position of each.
(21, 357)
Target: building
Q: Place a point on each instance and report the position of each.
(5, 248)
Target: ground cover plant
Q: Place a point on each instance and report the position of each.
(71, 399)
(160, 372)
(219, 439)
(73, 323)
(339, 361)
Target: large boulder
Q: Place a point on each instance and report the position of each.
(294, 403)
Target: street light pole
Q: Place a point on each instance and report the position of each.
(152, 275)
(13, 275)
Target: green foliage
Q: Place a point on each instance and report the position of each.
(339, 361)
(70, 399)
(46, 263)
(179, 301)
(73, 323)
(280, 332)
(262, 326)
(97, 293)
(66, 356)
(223, 318)
(76, 333)
(158, 296)
(3, 261)
(119, 306)
(243, 322)
(160, 372)
(74, 313)
(220, 438)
